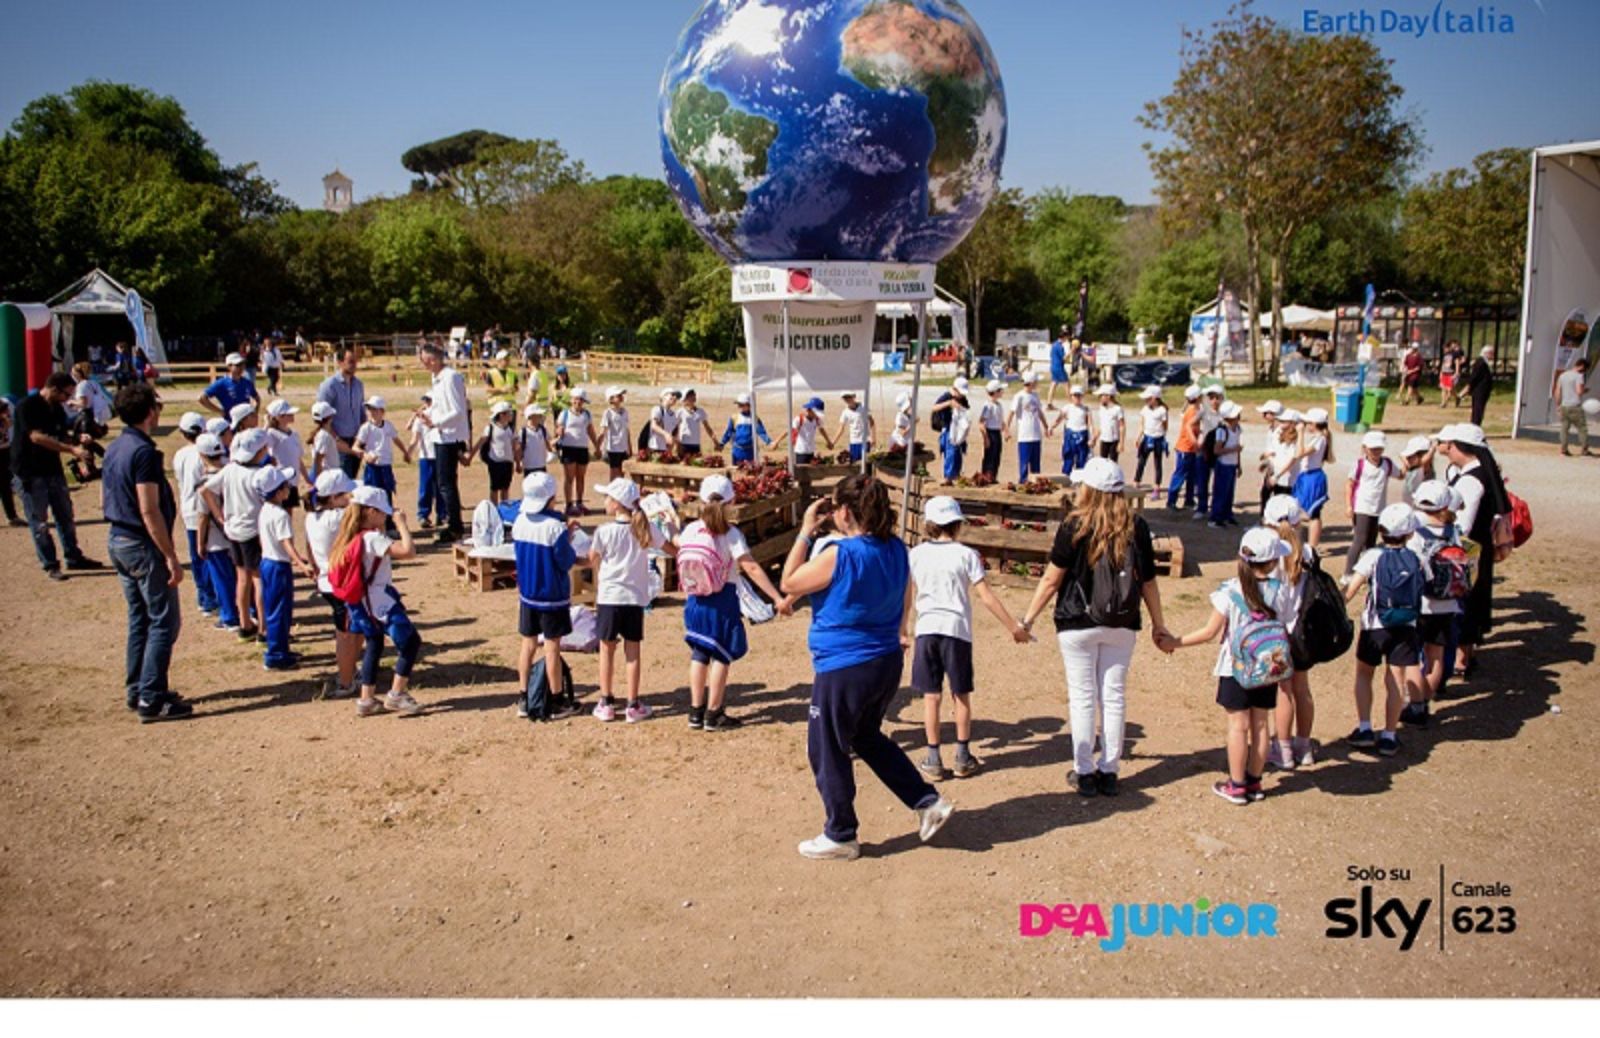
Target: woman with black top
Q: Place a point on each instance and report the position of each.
(1100, 542)
(1483, 495)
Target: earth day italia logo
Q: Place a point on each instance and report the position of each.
(1440, 20)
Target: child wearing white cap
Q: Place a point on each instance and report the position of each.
(694, 425)
(1027, 419)
(1074, 420)
(330, 499)
(712, 553)
(279, 560)
(1153, 419)
(1311, 483)
(363, 559)
(952, 417)
(545, 557)
(992, 420)
(233, 501)
(216, 556)
(1111, 423)
(1227, 445)
(575, 435)
(533, 442)
(497, 446)
(615, 431)
(1438, 543)
(1418, 458)
(663, 428)
(1394, 577)
(1367, 494)
(1253, 659)
(944, 575)
(376, 441)
(744, 428)
(189, 471)
(325, 449)
(620, 555)
(1295, 713)
(860, 426)
(424, 445)
(900, 435)
(287, 450)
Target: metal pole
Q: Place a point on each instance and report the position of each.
(866, 405)
(916, 394)
(788, 381)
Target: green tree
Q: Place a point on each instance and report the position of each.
(990, 253)
(1073, 237)
(1181, 279)
(510, 172)
(437, 164)
(424, 263)
(1465, 231)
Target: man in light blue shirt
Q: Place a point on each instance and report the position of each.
(343, 392)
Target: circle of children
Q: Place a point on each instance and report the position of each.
(1422, 570)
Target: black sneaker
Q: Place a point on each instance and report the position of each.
(1362, 738)
(1388, 745)
(697, 717)
(132, 699)
(1415, 715)
(83, 562)
(55, 573)
(1088, 785)
(289, 662)
(165, 707)
(246, 634)
(719, 721)
(1108, 784)
(565, 707)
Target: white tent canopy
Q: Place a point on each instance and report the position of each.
(1297, 318)
(99, 294)
(944, 304)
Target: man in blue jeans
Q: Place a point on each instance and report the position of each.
(140, 508)
(39, 438)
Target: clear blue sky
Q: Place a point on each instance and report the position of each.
(300, 86)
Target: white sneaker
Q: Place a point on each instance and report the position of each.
(933, 817)
(402, 704)
(604, 711)
(824, 849)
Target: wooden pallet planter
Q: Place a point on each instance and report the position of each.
(1169, 557)
(674, 479)
(771, 551)
(755, 519)
(484, 575)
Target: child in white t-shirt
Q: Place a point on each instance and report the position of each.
(279, 561)
(498, 444)
(861, 427)
(807, 428)
(1367, 494)
(1111, 422)
(1153, 419)
(615, 434)
(376, 441)
(1027, 418)
(992, 420)
(944, 575)
(1389, 636)
(900, 436)
(533, 442)
(620, 555)
(322, 529)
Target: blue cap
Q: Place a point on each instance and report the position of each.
(816, 404)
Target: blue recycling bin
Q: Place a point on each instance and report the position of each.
(1347, 405)
(894, 363)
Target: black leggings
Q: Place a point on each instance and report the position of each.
(6, 496)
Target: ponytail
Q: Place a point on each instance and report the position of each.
(1327, 444)
(639, 523)
(868, 501)
(1295, 563)
(1250, 588)
(715, 516)
(350, 528)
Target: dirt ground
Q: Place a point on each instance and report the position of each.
(279, 845)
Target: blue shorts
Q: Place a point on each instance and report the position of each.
(858, 451)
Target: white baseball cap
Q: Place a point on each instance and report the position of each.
(1317, 416)
(1106, 390)
(502, 355)
(665, 392)
(281, 408)
(995, 386)
(322, 410)
(903, 400)
(961, 385)
(377, 403)
(1260, 544)
(269, 480)
(234, 360)
(1290, 416)
(192, 422)
(624, 492)
(1398, 520)
(717, 486)
(537, 491)
(580, 394)
(500, 407)
(1433, 496)
(239, 413)
(1375, 440)
(1417, 445)
(1283, 509)
(1075, 391)
(531, 410)
(217, 427)
(1151, 393)
(1101, 474)
(1272, 407)
(372, 497)
(1230, 411)
(744, 398)
(943, 511)
(247, 445)
(1031, 377)
(1215, 390)
(1192, 392)
(210, 445)
(1467, 433)
(334, 482)
(612, 391)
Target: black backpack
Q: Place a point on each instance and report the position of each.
(539, 703)
(941, 419)
(1324, 631)
(1112, 599)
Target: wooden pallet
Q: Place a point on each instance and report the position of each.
(1169, 557)
(674, 479)
(484, 575)
(756, 519)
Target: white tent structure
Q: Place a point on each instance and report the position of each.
(1561, 293)
(98, 294)
(943, 305)
(1297, 318)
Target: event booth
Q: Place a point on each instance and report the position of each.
(1561, 287)
(97, 310)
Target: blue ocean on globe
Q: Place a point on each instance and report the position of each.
(869, 130)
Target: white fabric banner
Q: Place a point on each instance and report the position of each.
(834, 282)
(832, 345)
(1298, 371)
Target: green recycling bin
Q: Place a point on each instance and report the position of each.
(1373, 404)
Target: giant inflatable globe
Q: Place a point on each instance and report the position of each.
(833, 129)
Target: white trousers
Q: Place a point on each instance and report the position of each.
(1096, 661)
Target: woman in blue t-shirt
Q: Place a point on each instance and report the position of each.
(858, 588)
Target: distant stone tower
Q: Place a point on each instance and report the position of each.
(337, 192)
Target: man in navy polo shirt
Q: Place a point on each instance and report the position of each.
(230, 390)
(139, 506)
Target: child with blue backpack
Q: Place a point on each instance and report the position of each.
(743, 430)
(545, 556)
(711, 555)
(1393, 576)
(1255, 656)
(1438, 541)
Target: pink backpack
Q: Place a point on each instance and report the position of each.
(702, 568)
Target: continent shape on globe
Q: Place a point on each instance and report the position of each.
(868, 130)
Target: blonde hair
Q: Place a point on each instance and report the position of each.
(351, 526)
(715, 516)
(1102, 525)
(639, 523)
(1295, 563)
